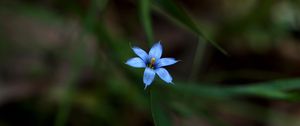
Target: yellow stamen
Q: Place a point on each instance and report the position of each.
(152, 62)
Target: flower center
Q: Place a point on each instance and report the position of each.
(151, 64)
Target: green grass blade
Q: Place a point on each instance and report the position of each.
(272, 89)
(145, 17)
(172, 11)
(198, 59)
(66, 102)
(77, 61)
(160, 117)
(277, 89)
(283, 85)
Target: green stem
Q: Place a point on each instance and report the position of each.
(152, 107)
(160, 116)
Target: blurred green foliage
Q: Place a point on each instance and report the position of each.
(62, 62)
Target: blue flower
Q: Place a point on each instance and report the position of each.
(153, 64)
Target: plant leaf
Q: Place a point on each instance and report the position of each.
(171, 10)
(276, 89)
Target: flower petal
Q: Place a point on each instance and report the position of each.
(136, 62)
(141, 53)
(164, 75)
(166, 62)
(156, 51)
(149, 75)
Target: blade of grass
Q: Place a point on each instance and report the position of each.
(176, 14)
(160, 117)
(77, 62)
(272, 89)
(145, 17)
(198, 58)
(66, 102)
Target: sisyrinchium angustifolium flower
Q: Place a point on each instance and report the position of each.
(153, 64)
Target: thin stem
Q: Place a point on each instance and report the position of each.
(160, 116)
(152, 107)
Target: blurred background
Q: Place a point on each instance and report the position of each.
(62, 62)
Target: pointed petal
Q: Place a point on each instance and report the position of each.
(166, 62)
(140, 52)
(156, 51)
(149, 75)
(136, 62)
(164, 75)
